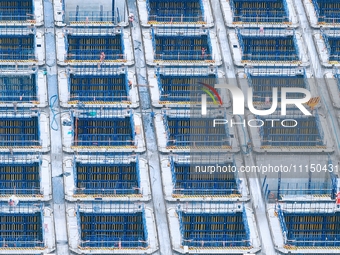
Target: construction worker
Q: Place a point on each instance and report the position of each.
(131, 19)
(102, 57)
(261, 30)
(11, 202)
(203, 52)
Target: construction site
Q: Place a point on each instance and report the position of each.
(118, 135)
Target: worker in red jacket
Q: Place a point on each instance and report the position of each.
(131, 19)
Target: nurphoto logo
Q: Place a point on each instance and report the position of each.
(238, 100)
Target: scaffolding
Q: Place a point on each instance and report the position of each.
(190, 130)
(193, 176)
(175, 12)
(300, 131)
(19, 131)
(269, 11)
(306, 188)
(107, 176)
(327, 11)
(88, 84)
(309, 228)
(17, 48)
(20, 175)
(217, 228)
(21, 227)
(103, 17)
(273, 45)
(97, 45)
(17, 11)
(311, 185)
(332, 42)
(263, 81)
(181, 44)
(15, 87)
(119, 226)
(103, 128)
(337, 77)
(185, 85)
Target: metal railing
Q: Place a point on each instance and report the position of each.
(19, 191)
(87, 17)
(176, 19)
(186, 56)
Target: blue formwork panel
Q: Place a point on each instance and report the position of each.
(214, 229)
(17, 47)
(176, 88)
(107, 179)
(19, 132)
(114, 230)
(182, 47)
(104, 88)
(311, 229)
(16, 10)
(190, 182)
(195, 132)
(327, 11)
(333, 46)
(175, 11)
(24, 178)
(18, 88)
(268, 11)
(307, 132)
(104, 131)
(91, 47)
(20, 230)
(269, 48)
(263, 85)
